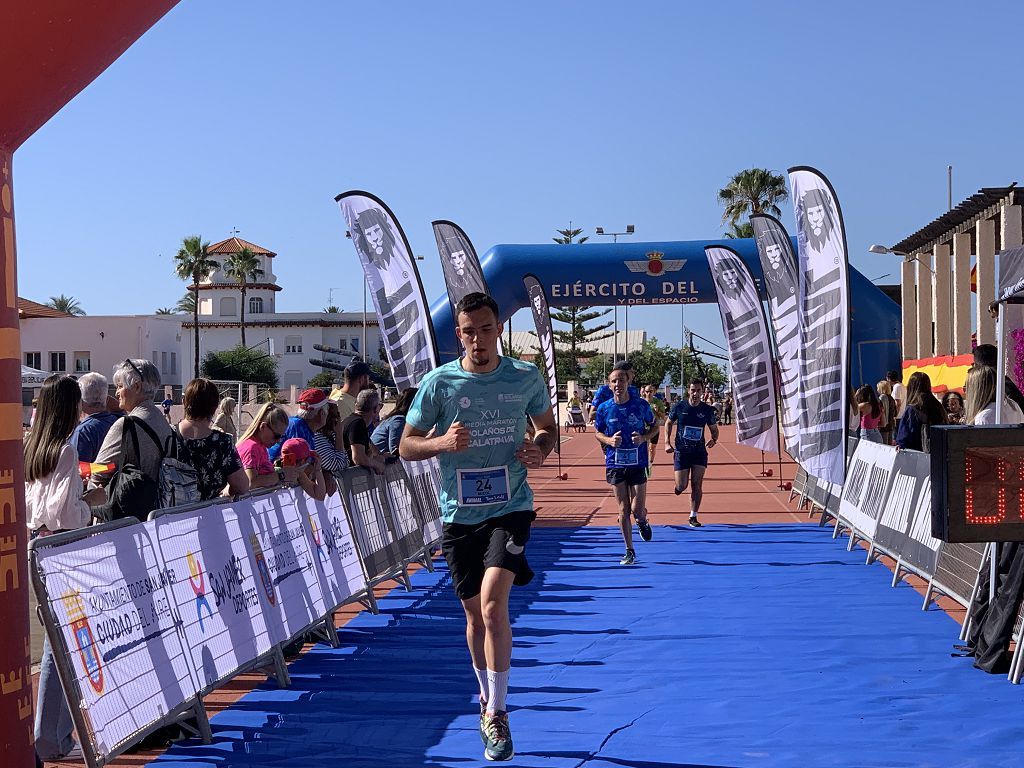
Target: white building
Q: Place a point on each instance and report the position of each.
(290, 336)
(59, 343)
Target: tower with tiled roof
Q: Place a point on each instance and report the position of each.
(219, 295)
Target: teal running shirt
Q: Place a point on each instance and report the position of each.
(485, 480)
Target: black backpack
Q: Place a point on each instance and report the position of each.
(131, 492)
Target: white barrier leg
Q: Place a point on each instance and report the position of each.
(281, 668)
(202, 722)
(927, 597)
(896, 573)
(871, 554)
(369, 602)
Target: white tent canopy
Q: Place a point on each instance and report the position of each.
(32, 375)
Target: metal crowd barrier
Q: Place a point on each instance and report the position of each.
(146, 618)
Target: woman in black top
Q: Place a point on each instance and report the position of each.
(210, 452)
(922, 411)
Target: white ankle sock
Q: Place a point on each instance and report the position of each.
(481, 677)
(498, 684)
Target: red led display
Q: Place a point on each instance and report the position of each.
(993, 485)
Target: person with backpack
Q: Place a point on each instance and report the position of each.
(209, 451)
(135, 445)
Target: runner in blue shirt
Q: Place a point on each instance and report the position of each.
(624, 425)
(691, 454)
(477, 408)
(604, 392)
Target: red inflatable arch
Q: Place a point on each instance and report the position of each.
(49, 52)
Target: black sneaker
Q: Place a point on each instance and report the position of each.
(629, 558)
(645, 530)
(694, 522)
(677, 490)
(498, 745)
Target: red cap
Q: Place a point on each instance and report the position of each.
(313, 399)
(295, 451)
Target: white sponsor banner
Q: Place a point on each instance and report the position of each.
(395, 287)
(863, 496)
(904, 528)
(824, 316)
(337, 559)
(217, 591)
(283, 557)
(750, 351)
(778, 264)
(111, 597)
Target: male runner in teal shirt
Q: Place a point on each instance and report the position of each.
(477, 409)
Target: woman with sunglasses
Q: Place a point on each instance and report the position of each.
(267, 429)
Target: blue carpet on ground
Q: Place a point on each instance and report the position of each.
(766, 645)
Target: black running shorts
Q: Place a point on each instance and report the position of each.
(498, 542)
(687, 459)
(627, 475)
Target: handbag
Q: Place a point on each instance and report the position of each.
(131, 492)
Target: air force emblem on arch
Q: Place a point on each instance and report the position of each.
(656, 264)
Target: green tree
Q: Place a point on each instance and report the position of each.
(596, 369)
(241, 364)
(165, 311)
(651, 362)
(755, 190)
(193, 262)
(332, 309)
(67, 304)
(321, 380)
(243, 266)
(568, 342)
(186, 304)
(739, 231)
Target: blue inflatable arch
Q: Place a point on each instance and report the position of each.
(647, 274)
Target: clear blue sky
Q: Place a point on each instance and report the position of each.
(509, 118)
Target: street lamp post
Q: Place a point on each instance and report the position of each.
(630, 229)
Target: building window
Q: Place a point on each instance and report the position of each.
(34, 360)
(293, 345)
(343, 344)
(228, 308)
(163, 363)
(174, 362)
(354, 343)
(156, 358)
(58, 362)
(255, 305)
(83, 364)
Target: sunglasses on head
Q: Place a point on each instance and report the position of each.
(135, 368)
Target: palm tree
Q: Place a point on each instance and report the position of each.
(165, 311)
(756, 190)
(66, 304)
(193, 262)
(740, 231)
(332, 309)
(186, 304)
(244, 265)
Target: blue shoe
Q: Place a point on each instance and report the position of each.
(498, 746)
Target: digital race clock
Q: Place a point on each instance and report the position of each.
(977, 478)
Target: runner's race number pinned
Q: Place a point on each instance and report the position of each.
(483, 486)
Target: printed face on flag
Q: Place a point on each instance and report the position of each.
(731, 277)
(373, 236)
(816, 221)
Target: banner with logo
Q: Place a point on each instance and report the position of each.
(750, 351)
(111, 597)
(904, 527)
(331, 538)
(395, 287)
(824, 317)
(542, 321)
(427, 487)
(288, 584)
(863, 496)
(459, 262)
(778, 265)
(216, 592)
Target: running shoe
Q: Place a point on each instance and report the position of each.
(483, 722)
(498, 746)
(645, 530)
(678, 490)
(629, 558)
(694, 522)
